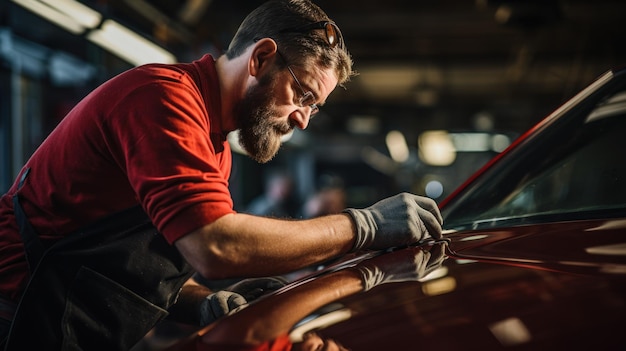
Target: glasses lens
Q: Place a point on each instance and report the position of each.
(307, 99)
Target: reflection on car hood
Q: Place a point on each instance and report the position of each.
(580, 247)
(503, 289)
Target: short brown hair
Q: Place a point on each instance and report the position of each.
(271, 20)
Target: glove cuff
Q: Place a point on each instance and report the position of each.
(206, 314)
(365, 228)
(371, 276)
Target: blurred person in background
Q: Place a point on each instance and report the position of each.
(330, 198)
(128, 197)
(277, 197)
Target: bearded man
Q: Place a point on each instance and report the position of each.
(128, 197)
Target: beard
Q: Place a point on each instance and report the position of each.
(259, 132)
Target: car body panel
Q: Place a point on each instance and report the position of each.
(479, 305)
(579, 247)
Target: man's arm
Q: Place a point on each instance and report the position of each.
(241, 245)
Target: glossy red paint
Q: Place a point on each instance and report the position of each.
(595, 247)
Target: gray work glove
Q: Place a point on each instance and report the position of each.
(218, 305)
(399, 220)
(409, 264)
(252, 289)
(224, 301)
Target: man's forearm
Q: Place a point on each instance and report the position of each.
(251, 246)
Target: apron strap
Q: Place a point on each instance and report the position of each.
(32, 245)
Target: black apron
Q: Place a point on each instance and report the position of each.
(100, 288)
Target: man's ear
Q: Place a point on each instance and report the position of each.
(263, 55)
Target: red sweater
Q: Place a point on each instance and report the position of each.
(150, 136)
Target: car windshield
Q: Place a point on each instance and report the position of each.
(573, 168)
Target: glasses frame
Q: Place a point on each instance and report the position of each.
(306, 94)
(332, 31)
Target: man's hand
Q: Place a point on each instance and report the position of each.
(252, 289)
(409, 264)
(399, 220)
(221, 303)
(218, 305)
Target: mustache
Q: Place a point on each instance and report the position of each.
(284, 128)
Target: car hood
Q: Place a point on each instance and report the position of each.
(555, 286)
(592, 247)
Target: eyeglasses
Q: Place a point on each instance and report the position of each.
(307, 98)
(333, 34)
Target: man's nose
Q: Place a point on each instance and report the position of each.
(300, 118)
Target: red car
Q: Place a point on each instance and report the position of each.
(536, 258)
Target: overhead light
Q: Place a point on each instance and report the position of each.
(53, 15)
(80, 13)
(77, 18)
(128, 45)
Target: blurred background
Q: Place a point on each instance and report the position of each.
(443, 85)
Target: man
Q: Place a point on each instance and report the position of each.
(128, 196)
(277, 197)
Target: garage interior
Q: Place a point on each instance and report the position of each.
(479, 72)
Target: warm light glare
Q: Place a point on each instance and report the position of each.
(510, 332)
(609, 250)
(80, 13)
(128, 45)
(436, 148)
(398, 149)
(439, 286)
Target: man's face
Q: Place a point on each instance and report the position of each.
(260, 130)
